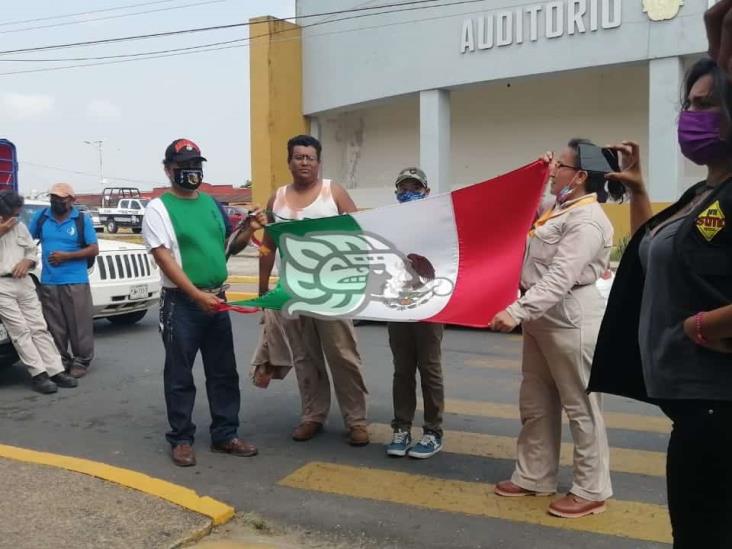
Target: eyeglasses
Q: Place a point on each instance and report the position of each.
(302, 158)
(559, 166)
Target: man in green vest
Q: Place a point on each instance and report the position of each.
(189, 237)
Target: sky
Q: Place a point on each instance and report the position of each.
(136, 108)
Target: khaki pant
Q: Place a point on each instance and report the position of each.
(69, 313)
(557, 356)
(417, 346)
(21, 314)
(313, 341)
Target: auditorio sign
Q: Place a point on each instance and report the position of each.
(553, 20)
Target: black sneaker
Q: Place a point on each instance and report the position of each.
(65, 381)
(43, 384)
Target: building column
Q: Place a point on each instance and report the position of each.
(275, 71)
(665, 161)
(434, 138)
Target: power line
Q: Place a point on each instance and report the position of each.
(49, 18)
(89, 174)
(211, 44)
(108, 17)
(199, 29)
(177, 54)
(120, 56)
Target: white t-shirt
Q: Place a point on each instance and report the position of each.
(157, 230)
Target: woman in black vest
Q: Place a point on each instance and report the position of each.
(667, 333)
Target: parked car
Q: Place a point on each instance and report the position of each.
(125, 282)
(235, 214)
(94, 214)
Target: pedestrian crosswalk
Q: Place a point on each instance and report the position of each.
(622, 460)
(625, 518)
(628, 519)
(613, 420)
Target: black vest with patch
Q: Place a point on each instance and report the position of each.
(705, 257)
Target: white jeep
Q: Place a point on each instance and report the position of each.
(125, 282)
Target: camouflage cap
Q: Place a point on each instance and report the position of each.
(412, 173)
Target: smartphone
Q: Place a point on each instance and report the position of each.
(594, 159)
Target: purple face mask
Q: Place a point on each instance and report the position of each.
(699, 137)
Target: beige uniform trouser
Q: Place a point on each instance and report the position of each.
(313, 341)
(557, 357)
(22, 316)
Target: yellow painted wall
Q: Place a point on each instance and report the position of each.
(275, 71)
(619, 215)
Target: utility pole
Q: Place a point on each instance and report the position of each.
(99, 143)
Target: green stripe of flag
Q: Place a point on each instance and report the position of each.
(277, 297)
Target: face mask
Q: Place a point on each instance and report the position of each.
(408, 196)
(699, 137)
(188, 179)
(563, 195)
(59, 207)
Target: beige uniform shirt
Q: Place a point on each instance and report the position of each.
(571, 249)
(15, 245)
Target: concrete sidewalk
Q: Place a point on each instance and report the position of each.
(44, 506)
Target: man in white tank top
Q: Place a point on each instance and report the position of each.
(309, 197)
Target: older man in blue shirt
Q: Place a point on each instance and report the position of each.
(68, 240)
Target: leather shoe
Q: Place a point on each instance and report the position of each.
(43, 384)
(183, 455)
(306, 430)
(65, 380)
(235, 447)
(78, 371)
(572, 506)
(359, 436)
(508, 489)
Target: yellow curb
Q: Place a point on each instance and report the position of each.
(240, 296)
(248, 279)
(217, 511)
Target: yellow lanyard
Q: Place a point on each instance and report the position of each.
(552, 213)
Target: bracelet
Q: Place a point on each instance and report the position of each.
(699, 336)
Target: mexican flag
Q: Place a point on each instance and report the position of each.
(453, 258)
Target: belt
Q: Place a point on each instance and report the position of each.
(6, 275)
(216, 291)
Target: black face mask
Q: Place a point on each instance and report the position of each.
(59, 207)
(188, 178)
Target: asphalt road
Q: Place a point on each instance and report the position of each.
(117, 416)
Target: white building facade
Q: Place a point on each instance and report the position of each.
(471, 89)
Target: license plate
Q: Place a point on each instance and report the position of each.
(138, 292)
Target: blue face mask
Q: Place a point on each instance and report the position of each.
(408, 196)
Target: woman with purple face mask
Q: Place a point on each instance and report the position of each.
(667, 333)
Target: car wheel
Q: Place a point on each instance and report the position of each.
(8, 355)
(128, 319)
(111, 227)
(137, 230)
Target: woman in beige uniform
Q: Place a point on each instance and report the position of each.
(560, 311)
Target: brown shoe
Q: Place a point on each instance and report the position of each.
(235, 447)
(183, 455)
(359, 436)
(508, 489)
(306, 430)
(78, 371)
(572, 506)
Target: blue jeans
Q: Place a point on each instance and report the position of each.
(186, 329)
